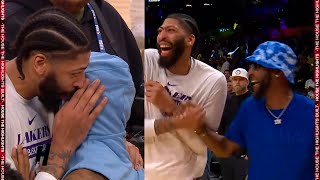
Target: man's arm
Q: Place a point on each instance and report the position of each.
(85, 174)
(188, 117)
(157, 95)
(135, 156)
(220, 145)
(163, 125)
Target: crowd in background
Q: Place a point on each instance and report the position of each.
(230, 54)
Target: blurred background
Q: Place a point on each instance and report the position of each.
(237, 27)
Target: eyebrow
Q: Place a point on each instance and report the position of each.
(169, 26)
(78, 69)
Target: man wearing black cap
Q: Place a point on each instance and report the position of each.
(276, 126)
(172, 149)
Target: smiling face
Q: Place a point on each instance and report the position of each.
(260, 78)
(172, 42)
(63, 79)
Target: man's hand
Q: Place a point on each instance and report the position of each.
(158, 96)
(135, 155)
(190, 116)
(74, 120)
(187, 116)
(21, 161)
(72, 124)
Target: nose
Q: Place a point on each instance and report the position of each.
(161, 36)
(80, 82)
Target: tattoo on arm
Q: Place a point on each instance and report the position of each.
(163, 125)
(57, 163)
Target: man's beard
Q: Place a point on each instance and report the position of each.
(50, 93)
(239, 89)
(263, 86)
(177, 50)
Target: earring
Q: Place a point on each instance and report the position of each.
(277, 75)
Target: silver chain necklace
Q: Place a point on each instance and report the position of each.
(278, 119)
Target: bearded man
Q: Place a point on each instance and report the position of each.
(172, 149)
(276, 125)
(234, 167)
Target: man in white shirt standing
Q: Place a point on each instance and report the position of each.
(173, 150)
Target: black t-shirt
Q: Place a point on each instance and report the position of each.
(231, 109)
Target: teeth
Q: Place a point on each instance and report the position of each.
(164, 46)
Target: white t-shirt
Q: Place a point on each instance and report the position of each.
(27, 123)
(181, 154)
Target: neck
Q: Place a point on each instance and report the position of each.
(182, 66)
(25, 88)
(278, 96)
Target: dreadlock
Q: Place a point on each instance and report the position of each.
(53, 32)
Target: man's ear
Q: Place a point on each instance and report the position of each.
(40, 63)
(191, 40)
(277, 73)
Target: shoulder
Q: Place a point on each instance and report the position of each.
(304, 101)
(107, 9)
(150, 62)
(151, 54)
(204, 70)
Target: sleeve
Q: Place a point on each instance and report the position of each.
(236, 130)
(149, 128)
(215, 104)
(150, 66)
(150, 55)
(44, 176)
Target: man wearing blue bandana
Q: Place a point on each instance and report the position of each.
(276, 125)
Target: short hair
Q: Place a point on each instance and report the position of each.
(189, 24)
(53, 32)
(227, 70)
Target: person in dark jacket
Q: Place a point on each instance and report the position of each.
(116, 36)
(235, 167)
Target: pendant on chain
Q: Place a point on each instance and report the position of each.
(277, 121)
